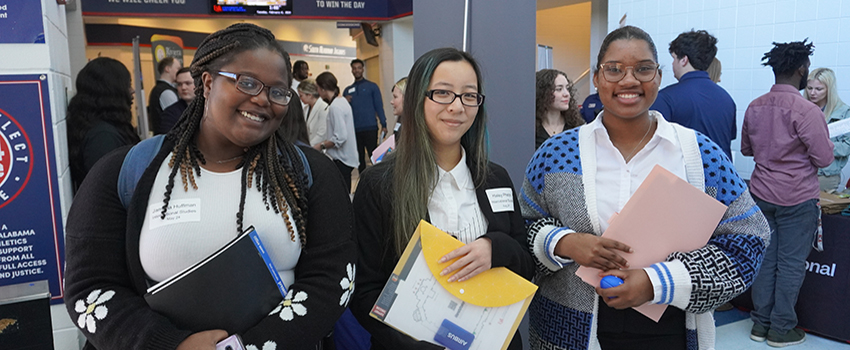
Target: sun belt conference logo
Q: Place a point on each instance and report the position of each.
(15, 158)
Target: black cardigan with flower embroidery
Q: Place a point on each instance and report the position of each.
(104, 279)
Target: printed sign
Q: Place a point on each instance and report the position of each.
(319, 9)
(163, 46)
(31, 240)
(21, 22)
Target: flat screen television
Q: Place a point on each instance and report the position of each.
(252, 7)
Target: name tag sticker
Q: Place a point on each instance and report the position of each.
(352, 90)
(501, 199)
(179, 211)
(453, 337)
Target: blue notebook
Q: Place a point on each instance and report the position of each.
(232, 289)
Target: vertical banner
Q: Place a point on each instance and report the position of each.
(31, 234)
(21, 22)
(163, 46)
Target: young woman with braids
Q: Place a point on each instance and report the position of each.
(224, 158)
(440, 172)
(99, 115)
(556, 108)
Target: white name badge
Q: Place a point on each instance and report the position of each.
(352, 90)
(501, 199)
(179, 211)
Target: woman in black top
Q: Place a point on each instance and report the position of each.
(443, 145)
(99, 116)
(556, 109)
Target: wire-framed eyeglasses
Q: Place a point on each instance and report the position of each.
(252, 86)
(444, 97)
(643, 72)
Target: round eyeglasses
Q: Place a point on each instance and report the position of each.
(643, 72)
(444, 97)
(252, 86)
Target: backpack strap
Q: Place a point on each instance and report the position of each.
(142, 154)
(135, 163)
(307, 172)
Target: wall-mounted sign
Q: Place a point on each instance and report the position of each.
(32, 247)
(318, 50)
(375, 10)
(21, 22)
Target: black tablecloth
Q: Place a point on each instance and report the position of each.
(823, 306)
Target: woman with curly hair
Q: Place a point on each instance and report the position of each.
(99, 117)
(556, 109)
(236, 170)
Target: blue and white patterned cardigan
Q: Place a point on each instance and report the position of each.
(559, 192)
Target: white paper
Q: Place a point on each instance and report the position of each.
(179, 211)
(501, 199)
(838, 128)
(422, 303)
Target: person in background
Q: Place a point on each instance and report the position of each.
(163, 94)
(439, 171)
(696, 101)
(340, 141)
(300, 71)
(578, 180)
(293, 128)
(822, 90)
(99, 115)
(556, 109)
(398, 104)
(714, 70)
(365, 99)
(787, 137)
(186, 92)
(591, 107)
(317, 111)
(291, 195)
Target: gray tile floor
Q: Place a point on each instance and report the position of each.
(736, 336)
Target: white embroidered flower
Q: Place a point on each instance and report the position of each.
(92, 309)
(347, 284)
(269, 345)
(291, 306)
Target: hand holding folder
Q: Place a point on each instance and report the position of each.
(479, 313)
(666, 214)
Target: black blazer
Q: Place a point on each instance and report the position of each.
(377, 257)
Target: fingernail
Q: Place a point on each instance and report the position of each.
(442, 260)
(443, 273)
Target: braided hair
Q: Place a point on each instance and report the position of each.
(274, 164)
(787, 57)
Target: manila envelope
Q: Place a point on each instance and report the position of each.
(666, 214)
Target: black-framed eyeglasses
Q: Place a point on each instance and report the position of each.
(643, 72)
(444, 97)
(252, 86)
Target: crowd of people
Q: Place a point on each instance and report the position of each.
(252, 140)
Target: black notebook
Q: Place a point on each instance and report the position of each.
(232, 289)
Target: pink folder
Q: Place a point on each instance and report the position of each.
(666, 214)
(379, 153)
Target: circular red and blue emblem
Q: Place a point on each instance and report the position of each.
(16, 158)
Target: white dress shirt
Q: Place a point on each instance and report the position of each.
(453, 206)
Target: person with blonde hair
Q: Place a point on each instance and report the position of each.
(822, 90)
(398, 103)
(714, 70)
(317, 114)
